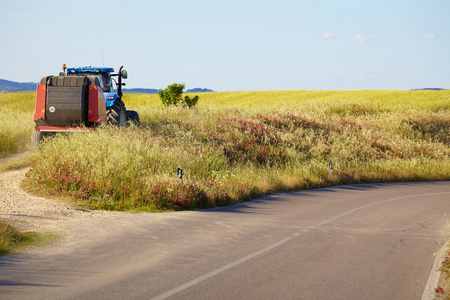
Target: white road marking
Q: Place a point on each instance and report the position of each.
(219, 270)
(431, 280)
(373, 204)
(435, 273)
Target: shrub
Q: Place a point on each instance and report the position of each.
(191, 102)
(173, 95)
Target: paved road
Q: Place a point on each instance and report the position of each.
(374, 241)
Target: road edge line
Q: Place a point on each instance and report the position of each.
(435, 274)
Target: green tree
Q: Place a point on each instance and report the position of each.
(173, 95)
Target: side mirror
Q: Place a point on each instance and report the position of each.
(124, 74)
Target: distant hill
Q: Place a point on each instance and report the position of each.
(429, 89)
(198, 90)
(140, 91)
(155, 91)
(7, 86)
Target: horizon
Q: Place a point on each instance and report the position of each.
(210, 90)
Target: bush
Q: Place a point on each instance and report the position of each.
(190, 102)
(173, 95)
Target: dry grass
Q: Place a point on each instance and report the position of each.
(240, 145)
(16, 122)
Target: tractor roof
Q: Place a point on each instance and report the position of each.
(90, 69)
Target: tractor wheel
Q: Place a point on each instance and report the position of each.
(36, 137)
(132, 117)
(117, 114)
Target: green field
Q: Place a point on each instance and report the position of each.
(235, 146)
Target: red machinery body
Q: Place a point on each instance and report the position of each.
(65, 103)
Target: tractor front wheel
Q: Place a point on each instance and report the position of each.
(117, 114)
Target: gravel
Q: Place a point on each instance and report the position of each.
(30, 213)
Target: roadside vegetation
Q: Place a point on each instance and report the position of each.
(10, 238)
(235, 146)
(443, 289)
(14, 241)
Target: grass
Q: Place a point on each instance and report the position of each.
(14, 241)
(236, 146)
(16, 122)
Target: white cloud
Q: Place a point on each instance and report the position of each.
(362, 39)
(327, 35)
(429, 35)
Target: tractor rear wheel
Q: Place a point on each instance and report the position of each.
(132, 117)
(117, 114)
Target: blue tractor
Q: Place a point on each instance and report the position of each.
(115, 108)
(79, 99)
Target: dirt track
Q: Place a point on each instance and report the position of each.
(29, 213)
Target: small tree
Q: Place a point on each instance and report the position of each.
(173, 95)
(191, 102)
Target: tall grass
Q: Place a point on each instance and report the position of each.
(16, 121)
(15, 131)
(11, 239)
(239, 145)
(21, 101)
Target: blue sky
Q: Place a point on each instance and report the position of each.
(233, 45)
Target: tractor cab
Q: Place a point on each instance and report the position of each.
(105, 78)
(103, 75)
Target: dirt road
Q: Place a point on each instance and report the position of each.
(29, 213)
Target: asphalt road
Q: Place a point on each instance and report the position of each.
(375, 241)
